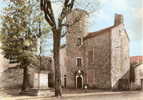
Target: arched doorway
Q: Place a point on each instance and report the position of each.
(79, 82)
(79, 79)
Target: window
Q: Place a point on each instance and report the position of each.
(78, 61)
(79, 41)
(91, 56)
(91, 76)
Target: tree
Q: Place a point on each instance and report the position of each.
(35, 19)
(19, 35)
(46, 6)
(57, 27)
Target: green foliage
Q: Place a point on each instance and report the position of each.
(19, 44)
(20, 32)
(21, 28)
(36, 18)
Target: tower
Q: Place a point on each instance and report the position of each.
(77, 28)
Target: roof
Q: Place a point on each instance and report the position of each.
(81, 10)
(93, 34)
(136, 59)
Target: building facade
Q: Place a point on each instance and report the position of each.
(137, 84)
(11, 76)
(96, 59)
(136, 72)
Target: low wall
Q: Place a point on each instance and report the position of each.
(11, 78)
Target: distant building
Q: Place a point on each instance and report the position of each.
(136, 72)
(12, 76)
(96, 59)
(136, 59)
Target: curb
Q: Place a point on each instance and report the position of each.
(100, 93)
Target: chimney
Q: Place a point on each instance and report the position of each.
(118, 19)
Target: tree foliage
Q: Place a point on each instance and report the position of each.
(20, 34)
(21, 28)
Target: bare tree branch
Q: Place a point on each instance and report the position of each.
(64, 34)
(77, 19)
(68, 5)
(46, 6)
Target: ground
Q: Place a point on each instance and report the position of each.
(98, 95)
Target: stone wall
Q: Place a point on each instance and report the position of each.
(120, 64)
(11, 78)
(98, 71)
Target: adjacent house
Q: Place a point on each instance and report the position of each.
(136, 72)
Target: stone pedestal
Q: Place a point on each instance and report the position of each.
(41, 83)
(45, 92)
(41, 80)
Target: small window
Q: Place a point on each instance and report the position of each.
(78, 61)
(79, 41)
(91, 56)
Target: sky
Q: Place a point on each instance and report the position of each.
(132, 10)
(103, 17)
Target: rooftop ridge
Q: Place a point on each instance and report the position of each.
(99, 32)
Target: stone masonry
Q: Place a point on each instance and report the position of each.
(96, 59)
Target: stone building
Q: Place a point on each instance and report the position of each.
(136, 59)
(8, 78)
(138, 82)
(11, 76)
(136, 72)
(96, 59)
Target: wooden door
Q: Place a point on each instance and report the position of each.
(79, 82)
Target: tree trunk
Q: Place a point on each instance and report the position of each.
(58, 88)
(25, 83)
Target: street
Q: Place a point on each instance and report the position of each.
(131, 95)
(138, 96)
